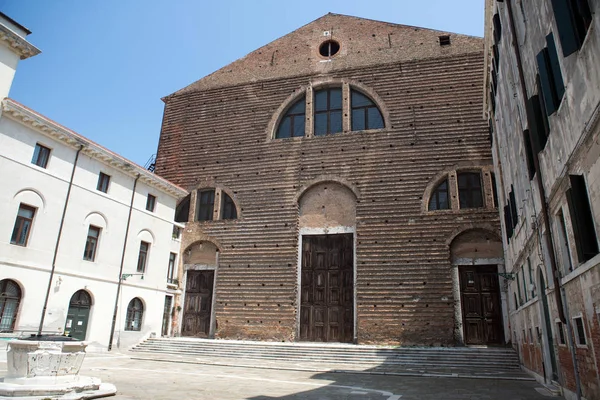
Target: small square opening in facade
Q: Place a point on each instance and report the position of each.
(444, 40)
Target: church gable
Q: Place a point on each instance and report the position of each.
(336, 42)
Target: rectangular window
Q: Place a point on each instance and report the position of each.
(519, 287)
(573, 18)
(531, 280)
(563, 243)
(530, 336)
(560, 333)
(508, 222)
(150, 202)
(206, 204)
(143, 257)
(551, 80)
(469, 190)
(579, 331)
(522, 272)
(514, 215)
(103, 182)
(91, 243)
(582, 220)
(171, 268)
(41, 155)
(22, 228)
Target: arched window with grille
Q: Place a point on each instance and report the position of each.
(10, 298)
(228, 210)
(440, 200)
(365, 113)
(292, 123)
(135, 313)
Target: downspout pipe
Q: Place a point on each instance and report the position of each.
(58, 237)
(120, 277)
(558, 289)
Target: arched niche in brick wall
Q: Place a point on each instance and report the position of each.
(327, 204)
(476, 243)
(201, 253)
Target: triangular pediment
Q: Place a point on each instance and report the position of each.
(362, 42)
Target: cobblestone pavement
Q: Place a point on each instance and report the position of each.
(147, 379)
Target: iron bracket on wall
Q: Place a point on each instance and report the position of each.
(507, 275)
(125, 276)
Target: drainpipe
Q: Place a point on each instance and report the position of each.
(60, 228)
(114, 318)
(558, 289)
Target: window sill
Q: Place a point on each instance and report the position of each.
(581, 269)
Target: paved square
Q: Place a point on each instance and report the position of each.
(145, 379)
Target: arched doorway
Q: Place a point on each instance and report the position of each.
(476, 255)
(327, 273)
(200, 262)
(10, 297)
(78, 315)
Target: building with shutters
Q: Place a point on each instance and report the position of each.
(341, 190)
(543, 98)
(85, 235)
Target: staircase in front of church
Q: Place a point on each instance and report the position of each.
(481, 362)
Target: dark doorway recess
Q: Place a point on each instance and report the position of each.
(78, 315)
(327, 288)
(198, 303)
(480, 300)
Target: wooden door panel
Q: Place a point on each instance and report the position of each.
(198, 303)
(480, 300)
(327, 294)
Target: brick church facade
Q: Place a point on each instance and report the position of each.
(342, 190)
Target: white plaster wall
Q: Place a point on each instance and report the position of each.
(8, 67)
(30, 266)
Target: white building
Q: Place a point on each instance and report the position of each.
(85, 234)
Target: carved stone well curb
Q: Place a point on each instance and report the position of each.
(49, 370)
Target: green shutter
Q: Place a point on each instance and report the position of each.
(559, 85)
(535, 123)
(514, 215)
(529, 154)
(497, 28)
(566, 27)
(546, 82)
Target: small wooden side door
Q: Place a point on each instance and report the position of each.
(198, 303)
(480, 300)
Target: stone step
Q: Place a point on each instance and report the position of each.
(509, 358)
(500, 359)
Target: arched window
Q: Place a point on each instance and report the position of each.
(439, 199)
(328, 111)
(81, 298)
(292, 123)
(182, 212)
(469, 190)
(10, 297)
(228, 210)
(135, 312)
(365, 114)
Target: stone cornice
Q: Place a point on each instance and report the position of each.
(18, 44)
(26, 116)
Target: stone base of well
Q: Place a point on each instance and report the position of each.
(49, 370)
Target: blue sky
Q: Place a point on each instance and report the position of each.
(105, 64)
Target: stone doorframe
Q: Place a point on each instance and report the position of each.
(326, 231)
(459, 333)
(213, 319)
